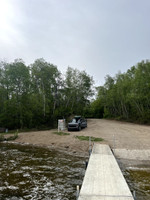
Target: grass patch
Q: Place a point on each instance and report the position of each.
(87, 138)
(4, 133)
(13, 137)
(2, 137)
(27, 130)
(61, 133)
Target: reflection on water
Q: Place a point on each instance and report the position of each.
(28, 172)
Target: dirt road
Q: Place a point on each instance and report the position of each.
(119, 135)
(127, 135)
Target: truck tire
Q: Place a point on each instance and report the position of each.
(79, 128)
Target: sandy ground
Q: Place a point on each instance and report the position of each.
(129, 141)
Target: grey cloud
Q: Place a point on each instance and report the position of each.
(100, 36)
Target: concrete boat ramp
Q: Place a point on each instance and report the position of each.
(103, 178)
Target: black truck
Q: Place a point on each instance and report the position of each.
(77, 123)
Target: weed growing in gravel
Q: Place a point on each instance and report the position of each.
(1, 137)
(61, 133)
(87, 138)
(13, 137)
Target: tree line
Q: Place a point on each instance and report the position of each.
(35, 96)
(125, 96)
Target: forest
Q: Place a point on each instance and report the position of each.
(125, 96)
(36, 96)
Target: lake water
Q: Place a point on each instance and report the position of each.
(28, 172)
(138, 179)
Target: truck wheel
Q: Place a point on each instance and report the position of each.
(79, 128)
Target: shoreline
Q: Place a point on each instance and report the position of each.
(124, 163)
(130, 141)
(59, 149)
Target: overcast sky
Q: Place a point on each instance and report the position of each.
(99, 36)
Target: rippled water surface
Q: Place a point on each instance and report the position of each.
(28, 172)
(139, 181)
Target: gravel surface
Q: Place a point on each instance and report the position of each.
(125, 138)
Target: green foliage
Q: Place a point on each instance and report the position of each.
(127, 95)
(61, 133)
(96, 108)
(77, 90)
(36, 96)
(15, 136)
(2, 137)
(93, 139)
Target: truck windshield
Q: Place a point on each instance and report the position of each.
(74, 120)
